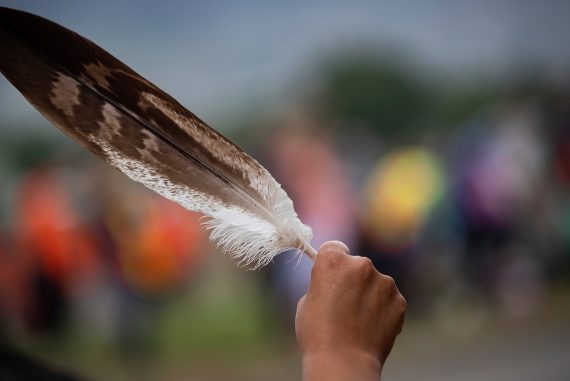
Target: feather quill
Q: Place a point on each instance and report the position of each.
(140, 130)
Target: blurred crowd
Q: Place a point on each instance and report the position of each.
(480, 211)
(479, 208)
(87, 246)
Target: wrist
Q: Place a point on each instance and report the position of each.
(341, 364)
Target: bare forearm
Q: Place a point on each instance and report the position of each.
(338, 366)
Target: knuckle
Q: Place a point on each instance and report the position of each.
(389, 281)
(363, 264)
(367, 262)
(402, 303)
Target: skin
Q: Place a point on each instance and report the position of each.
(347, 322)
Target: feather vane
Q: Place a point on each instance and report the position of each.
(140, 130)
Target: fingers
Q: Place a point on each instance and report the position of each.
(335, 254)
(386, 286)
(331, 255)
(334, 263)
(334, 246)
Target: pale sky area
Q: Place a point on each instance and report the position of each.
(219, 57)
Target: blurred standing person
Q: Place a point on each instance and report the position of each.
(498, 170)
(308, 168)
(399, 196)
(149, 247)
(56, 247)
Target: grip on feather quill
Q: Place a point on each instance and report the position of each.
(311, 253)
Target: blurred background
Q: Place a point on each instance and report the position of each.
(432, 137)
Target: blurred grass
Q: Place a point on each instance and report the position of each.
(230, 338)
(223, 319)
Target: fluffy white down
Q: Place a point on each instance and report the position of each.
(250, 239)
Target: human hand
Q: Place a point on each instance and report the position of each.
(347, 322)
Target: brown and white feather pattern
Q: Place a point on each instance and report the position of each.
(143, 132)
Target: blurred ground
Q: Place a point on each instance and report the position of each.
(496, 349)
(468, 342)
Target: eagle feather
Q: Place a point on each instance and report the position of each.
(143, 132)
